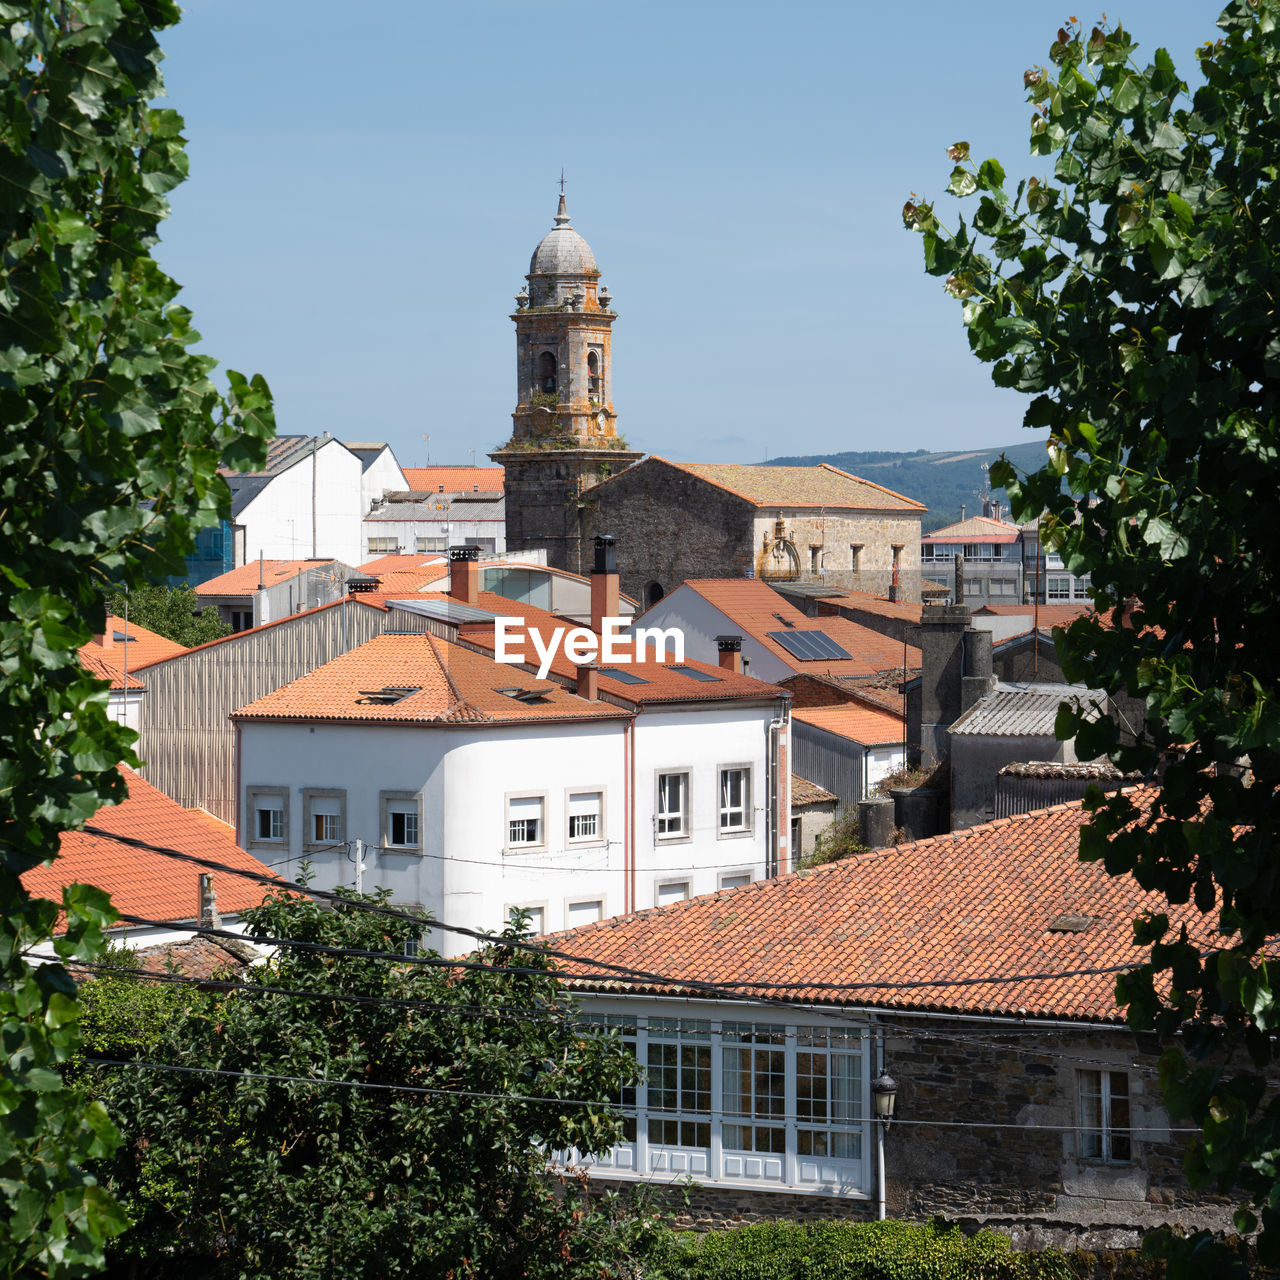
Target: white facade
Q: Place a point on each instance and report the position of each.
(312, 508)
(748, 1097)
(382, 474)
(560, 819)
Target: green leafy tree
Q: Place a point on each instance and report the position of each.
(1133, 296)
(111, 433)
(173, 612)
(256, 1177)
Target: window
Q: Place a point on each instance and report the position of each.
(526, 821)
(1104, 1116)
(1058, 588)
(735, 800)
(815, 557)
(1002, 586)
(537, 916)
(1080, 587)
(584, 913)
(828, 1094)
(735, 879)
(324, 820)
(383, 545)
(586, 816)
(432, 544)
(855, 556)
(268, 816)
(755, 1088)
(546, 373)
(678, 1076)
(401, 819)
(673, 806)
(673, 891)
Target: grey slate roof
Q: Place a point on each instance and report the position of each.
(1022, 709)
(493, 509)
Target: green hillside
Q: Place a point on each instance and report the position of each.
(942, 481)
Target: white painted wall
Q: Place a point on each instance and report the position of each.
(278, 523)
(449, 532)
(384, 473)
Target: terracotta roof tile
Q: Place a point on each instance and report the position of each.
(453, 479)
(901, 610)
(969, 905)
(820, 486)
(804, 792)
(244, 580)
(437, 683)
(850, 720)
(1051, 615)
(974, 529)
(142, 883)
(105, 671)
(128, 648)
(756, 609)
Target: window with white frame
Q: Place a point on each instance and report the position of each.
(672, 891)
(577, 913)
(735, 879)
(535, 913)
(383, 545)
(673, 806)
(1080, 587)
(1057, 587)
(1104, 1116)
(324, 818)
(432, 544)
(586, 817)
(268, 816)
(730, 1100)
(526, 822)
(735, 799)
(401, 819)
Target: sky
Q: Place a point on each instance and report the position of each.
(367, 185)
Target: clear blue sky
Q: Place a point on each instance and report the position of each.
(368, 182)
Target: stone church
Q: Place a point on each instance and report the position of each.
(570, 476)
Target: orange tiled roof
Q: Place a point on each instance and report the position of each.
(901, 610)
(851, 720)
(142, 883)
(105, 671)
(805, 792)
(139, 649)
(974, 529)
(459, 479)
(752, 607)
(244, 580)
(973, 904)
(1051, 615)
(449, 684)
(820, 486)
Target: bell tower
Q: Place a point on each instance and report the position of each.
(564, 427)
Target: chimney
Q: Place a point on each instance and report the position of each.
(604, 582)
(464, 574)
(588, 681)
(962, 512)
(206, 903)
(730, 653)
(958, 595)
(107, 639)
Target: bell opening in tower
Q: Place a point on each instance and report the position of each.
(593, 377)
(546, 372)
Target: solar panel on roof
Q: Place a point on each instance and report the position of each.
(808, 646)
(626, 677)
(694, 674)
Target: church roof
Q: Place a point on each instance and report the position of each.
(820, 486)
(562, 251)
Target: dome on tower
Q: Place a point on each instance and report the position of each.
(562, 251)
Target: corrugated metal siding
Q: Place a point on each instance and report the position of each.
(1023, 795)
(831, 761)
(186, 739)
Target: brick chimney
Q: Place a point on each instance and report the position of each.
(604, 582)
(588, 681)
(730, 653)
(464, 574)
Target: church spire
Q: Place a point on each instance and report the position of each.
(562, 214)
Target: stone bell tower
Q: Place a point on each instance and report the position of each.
(564, 427)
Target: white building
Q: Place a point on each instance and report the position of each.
(472, 788)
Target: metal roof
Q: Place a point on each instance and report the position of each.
(1023, 709)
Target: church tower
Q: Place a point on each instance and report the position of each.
(564, 427)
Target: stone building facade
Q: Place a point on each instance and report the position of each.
(564, 427)
(678, 521)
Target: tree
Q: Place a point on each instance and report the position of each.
(111, 434)
(274, 1174)
(173, 612)
(1133, 295)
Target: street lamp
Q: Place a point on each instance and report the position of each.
(884, 1092)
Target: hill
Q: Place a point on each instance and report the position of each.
(942, 481)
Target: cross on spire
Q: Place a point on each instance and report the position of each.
(562, 180)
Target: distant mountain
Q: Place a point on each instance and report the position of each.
(942, 481)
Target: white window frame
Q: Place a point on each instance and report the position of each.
(1057, 586)
(537, 912)
(748, 812)
(425, 545)
(685, 833)
(570, 903)
(402, 802)
(659, 886)
(524, 846)
(676, 1124)
(598, 836)
(1098, 1138)
(384, 546)
(253, 797)
(309, 796)
(736, 879)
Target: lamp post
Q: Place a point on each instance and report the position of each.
(884, 1096)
